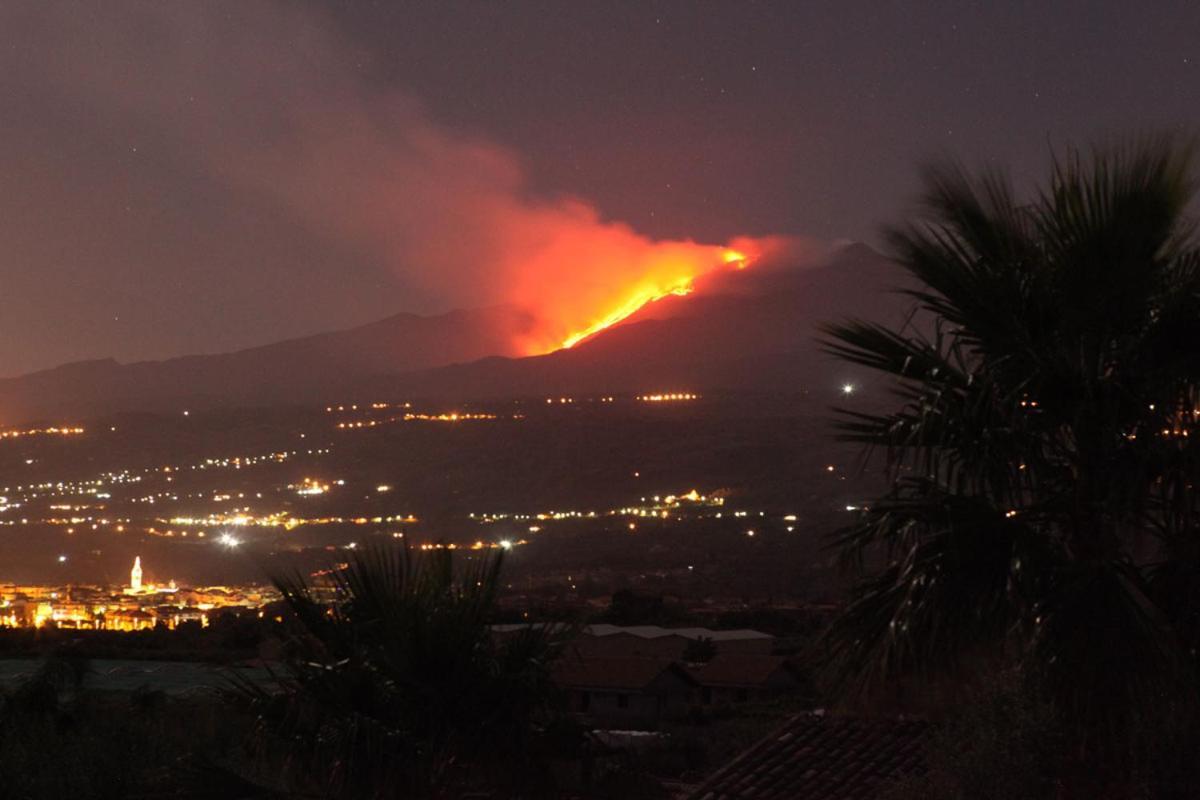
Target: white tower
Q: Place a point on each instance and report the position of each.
(135, 576)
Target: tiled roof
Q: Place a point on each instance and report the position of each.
(614, 673)
(820, 757)
(646, 631)
(656, 632)
(738, 669)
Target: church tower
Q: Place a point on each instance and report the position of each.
(135, 576)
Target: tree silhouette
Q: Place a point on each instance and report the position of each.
(394, 684)
(1042, 456)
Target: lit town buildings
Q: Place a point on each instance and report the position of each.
(138, 606)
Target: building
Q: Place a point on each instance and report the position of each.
(126, 619)
(740, 677)
(652, 641)
(625, 693)
(135, 576)
(818, 757)
(113, 608)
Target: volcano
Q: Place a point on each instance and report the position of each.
(752, 330)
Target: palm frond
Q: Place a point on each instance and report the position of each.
(395, 682)
(1048, 392)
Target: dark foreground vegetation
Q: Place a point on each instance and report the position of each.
(394, 689)
(385, 681)
(1043, 523)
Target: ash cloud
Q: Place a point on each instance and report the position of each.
(191, 177)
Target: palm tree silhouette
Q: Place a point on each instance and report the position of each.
(1042, 456)
(394, 684)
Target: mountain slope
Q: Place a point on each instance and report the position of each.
(310, 368)
(753, 332)
(750, 331)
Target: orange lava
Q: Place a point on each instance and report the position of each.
(658, 283)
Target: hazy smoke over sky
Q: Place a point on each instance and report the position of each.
(182, 177)
(185, 176)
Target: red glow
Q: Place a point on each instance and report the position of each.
(671, 277)
(457, 222)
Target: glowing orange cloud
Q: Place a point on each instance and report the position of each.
(578, 274)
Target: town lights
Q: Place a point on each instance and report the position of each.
(228, 541)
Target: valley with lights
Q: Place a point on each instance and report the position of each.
(676, 446)
(673, 492)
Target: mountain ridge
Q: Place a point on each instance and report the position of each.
(752, 330)
(301, 369)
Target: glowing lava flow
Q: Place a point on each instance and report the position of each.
(636, 300)
(645, 294)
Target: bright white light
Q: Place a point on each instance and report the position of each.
(229, 540)
(505, 544)
(61, 559)
(847, 388)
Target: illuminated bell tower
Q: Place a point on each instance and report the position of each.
(135, 576)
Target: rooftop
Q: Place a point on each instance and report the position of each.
(821, 757)
(656, 632)
(652, 632)
(737, 669)
(615, 673)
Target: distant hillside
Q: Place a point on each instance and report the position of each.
(751, 331)
(310, 368)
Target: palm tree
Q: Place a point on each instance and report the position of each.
(395, 685)
(1042, 456)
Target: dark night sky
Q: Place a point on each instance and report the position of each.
(198, 177)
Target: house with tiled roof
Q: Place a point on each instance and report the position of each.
(742, 677)
(819, 756)
(627, 693)
(650, 641)
(657, 642)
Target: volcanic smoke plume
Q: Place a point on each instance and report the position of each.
(266, 102)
